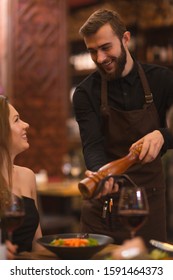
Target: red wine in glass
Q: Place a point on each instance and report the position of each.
(133, 220)
(133, 208)
(13, 220)
(13, 215)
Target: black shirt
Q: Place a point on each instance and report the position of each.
(126, 94)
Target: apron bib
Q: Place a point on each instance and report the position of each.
(121, 129)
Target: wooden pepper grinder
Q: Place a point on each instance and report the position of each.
(88, 185)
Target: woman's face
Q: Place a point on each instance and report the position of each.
(19, 141)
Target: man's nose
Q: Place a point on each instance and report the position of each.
(100, 56)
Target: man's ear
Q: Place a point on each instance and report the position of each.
(126, 37)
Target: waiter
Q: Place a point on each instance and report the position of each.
(122, 104)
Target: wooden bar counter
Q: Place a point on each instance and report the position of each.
(59, 188)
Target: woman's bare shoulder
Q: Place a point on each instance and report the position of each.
(25, 179)
(24, 171)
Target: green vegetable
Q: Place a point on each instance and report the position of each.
(92, 242)
(157, 254)
(54, 242)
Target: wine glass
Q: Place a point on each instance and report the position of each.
(133, 208)
(13, 214)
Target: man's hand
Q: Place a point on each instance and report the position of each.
(109, 187)
(151, 146)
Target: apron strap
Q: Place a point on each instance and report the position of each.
(146, 87)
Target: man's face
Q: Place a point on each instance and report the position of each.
(107, 51)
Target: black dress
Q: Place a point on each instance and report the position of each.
(24, 235)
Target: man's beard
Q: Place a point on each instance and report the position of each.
(120, 62)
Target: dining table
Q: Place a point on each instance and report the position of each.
(57, 187)
(105, 254)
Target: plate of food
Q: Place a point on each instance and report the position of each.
(75, 246)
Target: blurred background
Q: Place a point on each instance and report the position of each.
(43, 58)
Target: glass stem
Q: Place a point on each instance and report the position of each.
(132, 234)
(10, 236)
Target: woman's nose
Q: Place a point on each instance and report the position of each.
(26, 125)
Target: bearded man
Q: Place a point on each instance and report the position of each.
(122, 104)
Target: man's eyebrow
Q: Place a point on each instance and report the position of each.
(99, 47)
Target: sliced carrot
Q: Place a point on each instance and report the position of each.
(71, 242)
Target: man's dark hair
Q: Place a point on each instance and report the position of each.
(100, 18)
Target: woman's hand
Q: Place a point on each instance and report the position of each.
(11, 250)
(109, 187)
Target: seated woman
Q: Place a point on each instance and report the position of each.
(17, 179)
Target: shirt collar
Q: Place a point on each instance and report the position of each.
(132, 75)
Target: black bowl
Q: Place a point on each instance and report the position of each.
(75, 253)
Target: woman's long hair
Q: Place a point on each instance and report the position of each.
(5, 158)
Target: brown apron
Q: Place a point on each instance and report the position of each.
(121, 129)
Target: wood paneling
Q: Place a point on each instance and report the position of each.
(40, 79)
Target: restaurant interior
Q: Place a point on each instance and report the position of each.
(42, 59)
